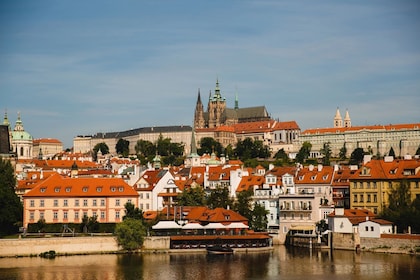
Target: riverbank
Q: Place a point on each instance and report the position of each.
(92, 245)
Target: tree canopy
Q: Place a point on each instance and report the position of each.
(193, 196)
(122, 147)
(209, 145)
(356, 156)
(401, 210)
(219, 198)
(132, 212)
(103, 147)
(304, 152)
(130, 234)
(250, 149)
(11, 210)
(326, 152)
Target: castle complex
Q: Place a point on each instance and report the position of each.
(218, 114)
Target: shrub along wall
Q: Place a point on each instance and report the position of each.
(78, 228)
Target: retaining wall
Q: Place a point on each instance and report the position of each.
(71, 245)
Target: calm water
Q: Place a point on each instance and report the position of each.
(278, 264)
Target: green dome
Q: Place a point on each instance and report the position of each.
(21, 135)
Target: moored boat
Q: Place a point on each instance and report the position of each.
(219, 250)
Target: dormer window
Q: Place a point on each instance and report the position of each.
(121, 189)
(43, 189)
(113, 189)
(57, 189)
(85, 189)
(99, 189)
(227, 217)
(68, 189)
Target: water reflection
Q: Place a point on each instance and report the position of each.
(281, 263)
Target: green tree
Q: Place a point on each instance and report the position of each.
(219, 198)
(259, 219)
(145, 150)
(391, 152)
(282, 156)
(243, 204)
(193, 196)
(418, 151)
(11, 210)
(103, 147)
(209, 145)
(130, 234)
(326, 151)
(122, 147)
(356, 156)
(250, 149)
(399, 209)
(304, 152)
(132, 212)
(89, 224)
(343, 152)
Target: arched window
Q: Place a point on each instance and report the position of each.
(21, 151)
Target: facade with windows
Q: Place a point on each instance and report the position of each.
(372, 184)
(60, 199)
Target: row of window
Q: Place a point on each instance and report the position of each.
(369, 198)
(292, 216)
(76, 202)
(76, 216)
(84, 189)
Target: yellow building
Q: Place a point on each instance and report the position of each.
(370, 186)
(61, 199)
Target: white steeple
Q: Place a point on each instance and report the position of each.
(338, 121)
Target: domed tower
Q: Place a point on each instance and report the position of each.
(22, 141)
(216, 108)
(338, 121)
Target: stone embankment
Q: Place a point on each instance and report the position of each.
(387, 243)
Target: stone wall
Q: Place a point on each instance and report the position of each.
(72, 245)
(395, 243)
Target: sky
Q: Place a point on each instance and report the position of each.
(81, 67)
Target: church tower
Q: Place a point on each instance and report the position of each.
(22, 141)
(338, 121)
(216, 108)
(347, 120)
(199, 121)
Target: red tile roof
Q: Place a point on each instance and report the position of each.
(59, 186)
(358, 128)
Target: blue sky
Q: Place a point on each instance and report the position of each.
(80, 67)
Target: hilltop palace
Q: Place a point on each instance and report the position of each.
(227, 126)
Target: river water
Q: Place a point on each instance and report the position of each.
(281, 263)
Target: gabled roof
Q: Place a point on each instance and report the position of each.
(217, 215)
(315, 175)
(59, 186)
(388, 170)
(248, 182)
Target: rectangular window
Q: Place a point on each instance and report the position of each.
(102, 202)
(76, 203)
(141, 196)
(117, 215)
(366, 228)
(147, 196)
(55, 202)
(375, 198)
(102, 214)
(41, 203)
(55, 215)
(361, 198)
(147, 206)
(85, 202)
(371, 228)
(41, 215)
(94, 202)
(32, 203)
(368, 198)
(85, 214)
(117, 202)
(355, 198)
(31, 215)
(76, 215)
(65, 203)
(65, 215)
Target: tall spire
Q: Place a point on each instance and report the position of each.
(347, 120)
(338, 121)
(236, 100)
(19, 124)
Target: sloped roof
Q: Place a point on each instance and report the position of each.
(218, 215)
(247, 182)
(59, 186)
(388, 170)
